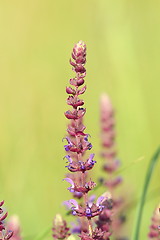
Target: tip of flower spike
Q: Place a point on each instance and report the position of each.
(80, 45)
(58, 220)
(105, 103)
(157, 211)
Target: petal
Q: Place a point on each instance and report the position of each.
(68, 140)
(74, 203)
(99, 200)
(92, 198)
(69, 158)
(69, 180)
(67, 148)
(91, 157)
(86, 137)
(67, 204)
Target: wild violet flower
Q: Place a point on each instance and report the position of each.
(80, 166)
(91, 210)
(77, 144)
(4, 234)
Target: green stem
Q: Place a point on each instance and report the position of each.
(144, 192)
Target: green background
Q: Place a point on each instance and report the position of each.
(123, 55)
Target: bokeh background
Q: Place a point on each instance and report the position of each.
(36, 39)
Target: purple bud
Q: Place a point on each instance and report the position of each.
(4, 216)
(80, 82)
(1, 203)
(70, 90)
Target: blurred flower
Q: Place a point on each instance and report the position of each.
(155, 225)
(13, 225)
(60, 229)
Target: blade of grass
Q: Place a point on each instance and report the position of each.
(128, 166)
(144, 192)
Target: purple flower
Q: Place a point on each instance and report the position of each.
(69, 145)
(99, 202)
(69, 180)
(69, 159)
(91, 209)
(73, 205)
(90, 163)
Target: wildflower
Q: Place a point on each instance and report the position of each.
(81, 166)
(90, 210)
(60, 229)
(81, 147)
(83, 189)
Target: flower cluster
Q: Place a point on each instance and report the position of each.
(4, 235)
(91, 209)
(108, 220)
(78, 144)
(111, 163)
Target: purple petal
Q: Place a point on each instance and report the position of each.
(86, 138)
(69, 158)
(90, 160)
(74, 213)
(99, 200)
(90, 146)
(92, 198)
(67, 204)
(66, 147)
(74, 203)
(68, 140)
(69, 180)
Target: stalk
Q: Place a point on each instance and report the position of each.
(144, 193)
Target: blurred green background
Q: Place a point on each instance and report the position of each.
(36, 39)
